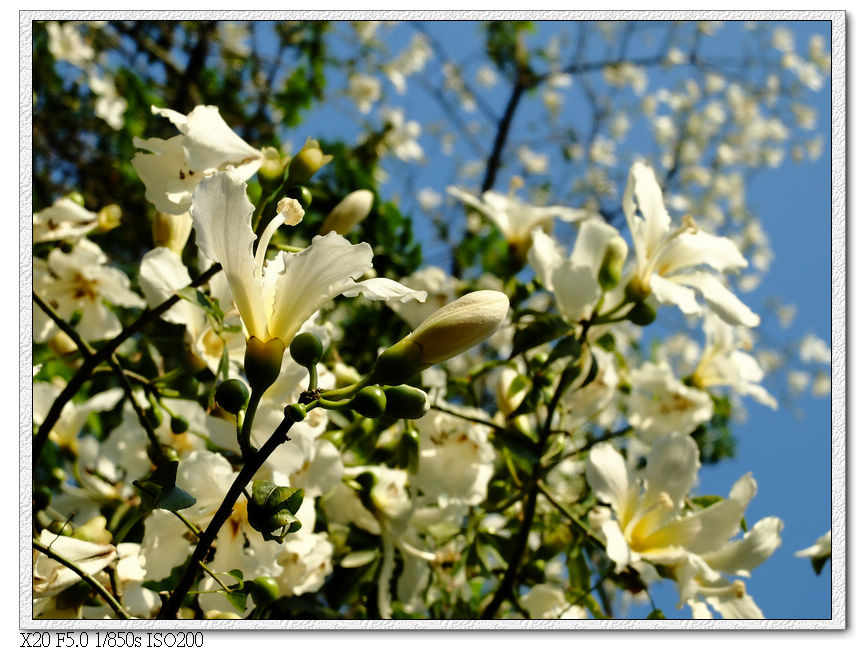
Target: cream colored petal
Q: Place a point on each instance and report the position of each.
(611, 480)
(672, 292)
(694, 249)
(720, 298)
(211, 144)
(313, 277)
(50, 577)
(576, 289)
(616, 544)
(221, 216)
(592, 243)
(161, 274)
(671, 468)
(544, 257)
(165, 173)
(740, 557)
(384, 289)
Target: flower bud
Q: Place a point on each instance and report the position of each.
(611, 266)
(370, 402)
(642, 313)
(232, 396)
(459, 326)
(306, 163)
(406, 402)
(272, 166)
(179, 424)
(306, 349)
(636, 291)
(349, 212)
(171, 230)
(399, 363)
(295, 412)
(77, 197)
(262, 362)
(109, 217)
(264, 590)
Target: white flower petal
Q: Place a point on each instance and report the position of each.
(576, 289)
(384, 289)
(313, 277)
(544, 256)
(672, 293)
(741, 556)
(211, 144)
(719, 297)
(161, 274)
(221, 216)
(693, 249)
(611, 480)
(165, 173)
(671, 468)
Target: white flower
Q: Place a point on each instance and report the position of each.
(206, 145)
(668, 259)
(649, 525)
(306, 562)
(401, 136)
(66, 44)
(544, 601)
(455, 457)
(64, 219)
(659, 403)
(574, 279)
(79, 281)
(822, 548)
(276, 297)
(515, 219)
(109, 105)
(813, 349)
(364, 91)
(533, 162)
(411, 60)
(50, 577)
(725, 364)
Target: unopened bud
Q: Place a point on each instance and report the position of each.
(642, 313)
(349, 212)
(636, 291)
(370, 402)
(77, 197)
(611, 266)
(406, 402)
(262, 362)
(232, 396)
(399, 363)
(295, 412)
(306, 163)
(306, 349)
(272, 166)
(179, 424)
(460, 325)
(109, 217)
(171, 230)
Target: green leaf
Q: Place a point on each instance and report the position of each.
(706, 500)
(159, 489)
(656, 615)
(237, 599)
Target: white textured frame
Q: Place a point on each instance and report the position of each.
(838, 620)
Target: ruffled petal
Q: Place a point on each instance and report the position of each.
(211, 144)
(312, 277)
(221, 216)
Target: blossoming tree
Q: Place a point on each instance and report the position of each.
(274, 377)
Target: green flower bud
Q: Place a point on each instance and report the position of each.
(301, 194)
(154, 417)
(370, 402)
(611, 266)
(273, 165)
(272, 509)
(642, 313)
(264, 590)
(179, 424)
(232, 396)
(306, 163)
(306, 349)
(636, 291)
(263, 362)
(295, 412)
(76, 197)
(398, 364)
(406, 402)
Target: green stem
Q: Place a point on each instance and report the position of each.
(90, 580)
(346, 391)
(172, 605)
(245, 439)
